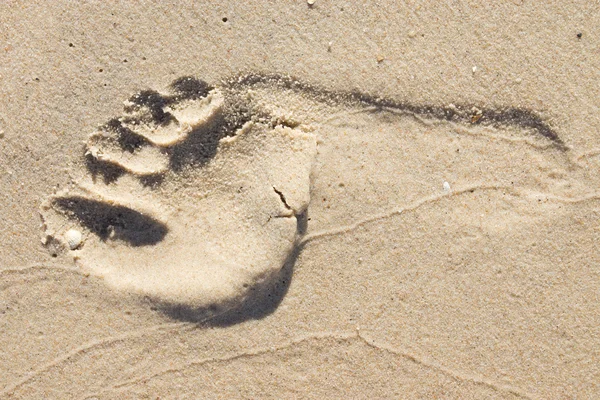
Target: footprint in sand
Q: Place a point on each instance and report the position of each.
(198, 195)
(188, 200)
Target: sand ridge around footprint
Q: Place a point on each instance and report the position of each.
(198, 196)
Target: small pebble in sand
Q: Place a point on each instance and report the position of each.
(446, 186)
(476, 115)
(412, 34)
(474, 69)
(310, 2)
(380, 58)
(518, 80)
(73, 238)
(1, 133)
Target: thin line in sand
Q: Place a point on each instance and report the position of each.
(432, 199)
(377, 217)
(89, 346)
(340, 336)
(39, 265)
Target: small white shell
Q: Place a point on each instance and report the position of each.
(73, 238)
(446, 187)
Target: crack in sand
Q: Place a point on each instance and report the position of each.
(340, 336)
(87, 347)
(282, 197)
(432, 199)
(447, 371)
(35, 266)
(378, 217)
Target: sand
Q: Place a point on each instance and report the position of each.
(355, 201)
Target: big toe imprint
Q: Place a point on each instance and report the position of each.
(187, 214)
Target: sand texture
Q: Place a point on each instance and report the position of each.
(294, 200)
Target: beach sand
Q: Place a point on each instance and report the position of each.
(392, 200)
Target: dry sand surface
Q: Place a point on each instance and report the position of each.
(295, 200)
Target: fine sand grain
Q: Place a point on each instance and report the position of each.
(300, 200)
